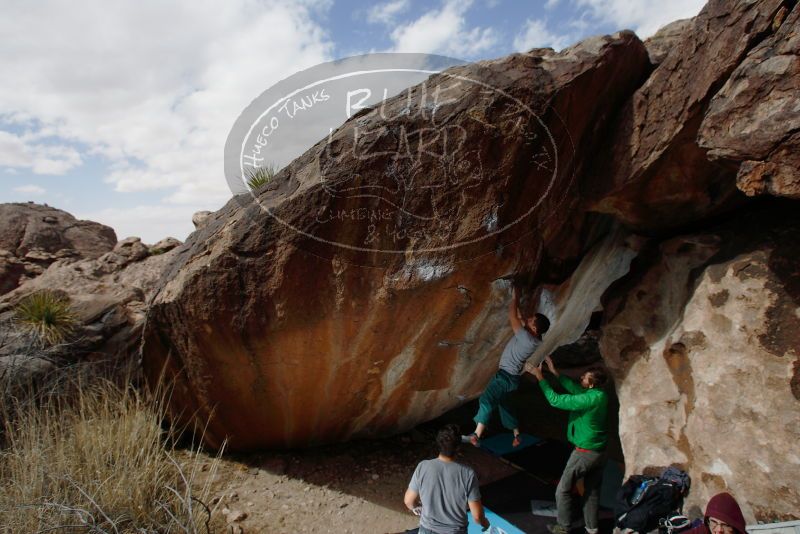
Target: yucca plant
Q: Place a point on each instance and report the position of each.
(46, 316)
(258, 177)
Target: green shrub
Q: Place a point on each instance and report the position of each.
(258, 177)
(47, 317)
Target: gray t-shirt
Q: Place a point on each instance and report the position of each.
(444, 489)
(518, 349)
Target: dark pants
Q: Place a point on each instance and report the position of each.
(496, 395)
(587, 465)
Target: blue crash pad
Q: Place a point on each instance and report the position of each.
(498, 524)
(500, 444)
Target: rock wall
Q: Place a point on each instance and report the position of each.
(755, 118)
(652, 173)
(704, 344)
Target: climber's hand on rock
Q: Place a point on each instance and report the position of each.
(550, 365)
(537, 372)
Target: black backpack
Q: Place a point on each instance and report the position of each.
(643, 501)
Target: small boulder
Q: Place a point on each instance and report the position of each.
(132, 248)
(166, 244)
(234, 516)
(20, 369)
(200, 218)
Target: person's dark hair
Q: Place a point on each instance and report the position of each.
(542, 323)
(599, 376)
(448, 440)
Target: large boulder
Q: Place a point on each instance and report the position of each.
(703, 341)
(657, 175)
(279, 338)
(753, 122)
(33, 236)
(290, 319)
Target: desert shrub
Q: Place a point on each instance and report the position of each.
(46, 317)
(89, 455)
(258, 177)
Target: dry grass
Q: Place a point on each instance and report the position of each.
(89, 455)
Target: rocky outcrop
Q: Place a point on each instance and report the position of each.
(704, 344)
(658, 175)
(278, 337)
(33, 236)
(107, 295)
(665, 39)
(753, 122)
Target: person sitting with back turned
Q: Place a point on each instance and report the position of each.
(723, 516)
(588, 431)
(526, 339)
(445, 488)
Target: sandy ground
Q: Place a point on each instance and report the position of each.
(356, 488)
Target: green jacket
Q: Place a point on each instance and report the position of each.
(588, 427)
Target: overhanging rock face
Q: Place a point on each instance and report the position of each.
(280, 336)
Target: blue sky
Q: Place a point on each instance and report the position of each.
(119, 114)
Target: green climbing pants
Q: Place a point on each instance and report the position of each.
(496, 395)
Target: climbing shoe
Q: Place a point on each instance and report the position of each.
(472, 439)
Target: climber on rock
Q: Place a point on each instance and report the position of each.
(527, 336)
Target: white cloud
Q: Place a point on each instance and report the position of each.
(149, 222)
(386, 13)
(30, 190)
(444, 31)
(551, 4)
(535, 34)
(18, 151)
(645, 17)
(154, 86)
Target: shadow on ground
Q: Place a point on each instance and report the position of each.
(378, 470)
